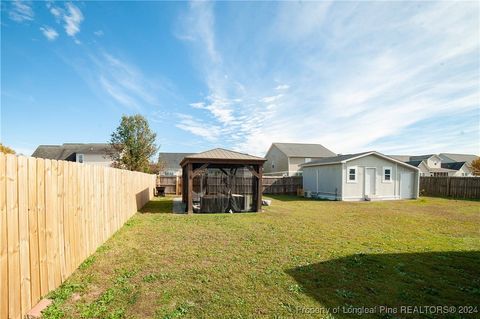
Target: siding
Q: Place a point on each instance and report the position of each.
(279, 158)
(384, 190)
(294, 162)
(329, 180)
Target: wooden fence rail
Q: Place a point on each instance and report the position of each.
(53, 215)
(456, 187)
(271, 184)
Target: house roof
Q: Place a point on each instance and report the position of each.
(303, 150)
(414, 163)
(172, 160)
(453, 166)
(402, 158)
(451, 157)
(221, 155)
(340, 159)
(421, 157)
(62, 152)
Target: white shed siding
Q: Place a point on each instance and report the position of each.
(323, 181)
(383, 189)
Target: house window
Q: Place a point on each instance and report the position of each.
(80, 158)
(352, 174)
(308, 159)
(273, 164)
(387, 174)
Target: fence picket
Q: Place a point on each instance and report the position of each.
(53, 215)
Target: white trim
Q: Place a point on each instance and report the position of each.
(391, 174)
(348, 174)
(365, 180)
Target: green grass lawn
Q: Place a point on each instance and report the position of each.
(298, 258)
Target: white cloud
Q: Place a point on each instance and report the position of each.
(199, 128)
(98, 33)
(21, 11)
(282, 87)
(72, 18)
(271, 99)
(50, 33)
(363, 75)
(56, 12)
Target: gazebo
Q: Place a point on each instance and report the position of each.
(221, 180)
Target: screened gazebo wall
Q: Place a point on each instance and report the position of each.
(222, 185)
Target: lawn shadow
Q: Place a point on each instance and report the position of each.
(393, 280)
(158, 206)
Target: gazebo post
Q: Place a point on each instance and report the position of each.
(190, 189)
(260, 187)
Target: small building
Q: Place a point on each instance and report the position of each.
(361, 176)
(170, 163)
(91, 153)
(284, 159)
(221, 180)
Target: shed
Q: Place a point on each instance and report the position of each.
(221, 180)
(361, 176)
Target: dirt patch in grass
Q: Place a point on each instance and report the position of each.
(298, 254)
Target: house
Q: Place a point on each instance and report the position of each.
(361, 176)
(91, 153)
(221, 180)
(443, 164)
(170, 163)
(284, 159)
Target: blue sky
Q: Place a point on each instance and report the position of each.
(399, 78)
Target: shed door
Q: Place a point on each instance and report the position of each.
(406, 185)
(370, 181)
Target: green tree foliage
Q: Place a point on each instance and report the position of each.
(475, 167)
(133, 144)
(5, 149)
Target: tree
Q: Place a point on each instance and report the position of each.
(133, 144)
(474, 166)
(5, 149)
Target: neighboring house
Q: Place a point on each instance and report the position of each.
(443, 164)
(170, 163)
(91, 153)
(361, 176)
(284, 159)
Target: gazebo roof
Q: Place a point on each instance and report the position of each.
(220, 155)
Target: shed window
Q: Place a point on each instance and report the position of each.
(352, 174)
(387, 174)
(80, 158)
(308, 159)
(273, 164)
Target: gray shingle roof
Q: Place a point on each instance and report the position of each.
(451, 157)
(220, 153)
(172, 160)
(414, 163)
(304, 150)
(455, 165)
(62, 152)
(335, 159)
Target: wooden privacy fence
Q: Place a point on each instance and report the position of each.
(53, 215)
(457, 187)
(172, 184)
(282, 185)
(271, 184)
